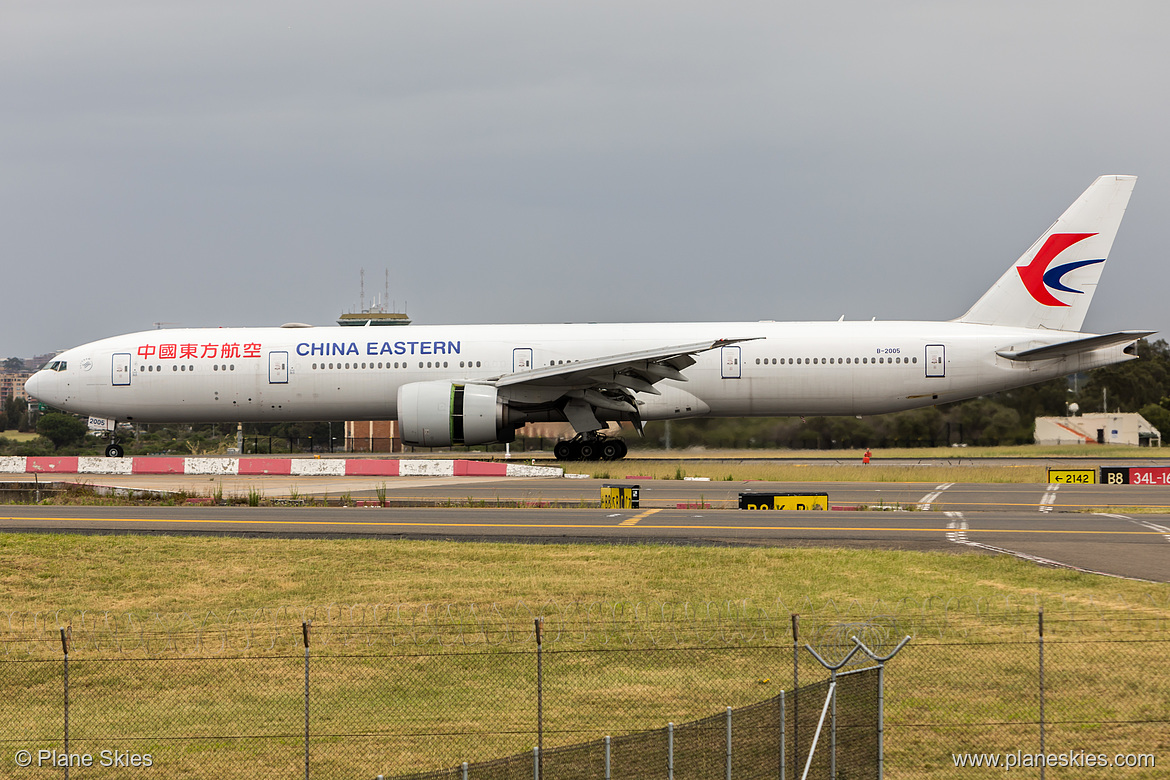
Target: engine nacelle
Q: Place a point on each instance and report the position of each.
(439, 414)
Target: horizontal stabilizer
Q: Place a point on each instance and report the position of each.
(1077, 346)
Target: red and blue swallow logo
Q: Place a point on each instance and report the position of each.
(1038, 278)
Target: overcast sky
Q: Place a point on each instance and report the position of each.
(238, 163)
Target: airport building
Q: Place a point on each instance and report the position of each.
(1100, 428)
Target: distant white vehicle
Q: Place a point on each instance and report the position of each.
(476, 384)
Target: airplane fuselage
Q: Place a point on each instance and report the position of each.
(333, 373)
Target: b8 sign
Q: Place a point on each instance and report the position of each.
(1115, 475)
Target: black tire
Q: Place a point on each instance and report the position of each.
(114, 451)
(610, 450)
(622, 449)
(590, 450)
(575, 450)
(563, 450)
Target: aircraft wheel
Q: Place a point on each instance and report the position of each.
(563, 450)
(114, 451)
(590, 450)
(622, 449)
(610, 450)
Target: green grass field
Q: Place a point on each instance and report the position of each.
(183, 574)
(225, 615)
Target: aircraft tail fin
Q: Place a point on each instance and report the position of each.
(1052, 284)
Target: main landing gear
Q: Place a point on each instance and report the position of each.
(590, 446)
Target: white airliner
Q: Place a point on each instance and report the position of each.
(475, 384)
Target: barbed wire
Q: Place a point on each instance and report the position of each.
(396, 627)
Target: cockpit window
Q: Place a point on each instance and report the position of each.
(57, 365)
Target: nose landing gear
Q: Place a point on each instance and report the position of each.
(114, 448)
(590, 446)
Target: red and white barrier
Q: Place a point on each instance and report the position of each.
(296, 467)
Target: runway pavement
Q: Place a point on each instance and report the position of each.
(1047, 524)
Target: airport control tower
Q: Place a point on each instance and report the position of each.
(377, 313)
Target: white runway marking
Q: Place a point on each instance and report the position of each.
(926, 501)
(959, 536)
(1144, 523)
(1049, 498)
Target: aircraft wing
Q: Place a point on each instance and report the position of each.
(1088, 344)
(606, 382)
(644, 367)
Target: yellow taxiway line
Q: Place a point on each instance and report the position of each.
(571, 526)
(634, 520)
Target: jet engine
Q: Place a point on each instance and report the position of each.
(439, 414)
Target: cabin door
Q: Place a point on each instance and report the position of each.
(121, 373)
(522, 359)
(936, 360)
(278, 368)
(731, 358)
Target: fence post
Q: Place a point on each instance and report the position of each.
(729, 743)
(782, 734)
(670, 751)
(539, 698)
(1041, 626)
(464, 770)
(535, 763)
(607, 767)
(833, 726)
(796, 691)
(305, 633)
(65, 649)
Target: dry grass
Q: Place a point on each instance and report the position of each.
(934, 453)
(796, 472)
(185, 574)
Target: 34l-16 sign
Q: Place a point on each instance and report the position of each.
(1135, 475)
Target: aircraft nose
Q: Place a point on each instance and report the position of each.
(35, 385)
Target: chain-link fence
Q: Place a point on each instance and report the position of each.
(425, 690)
